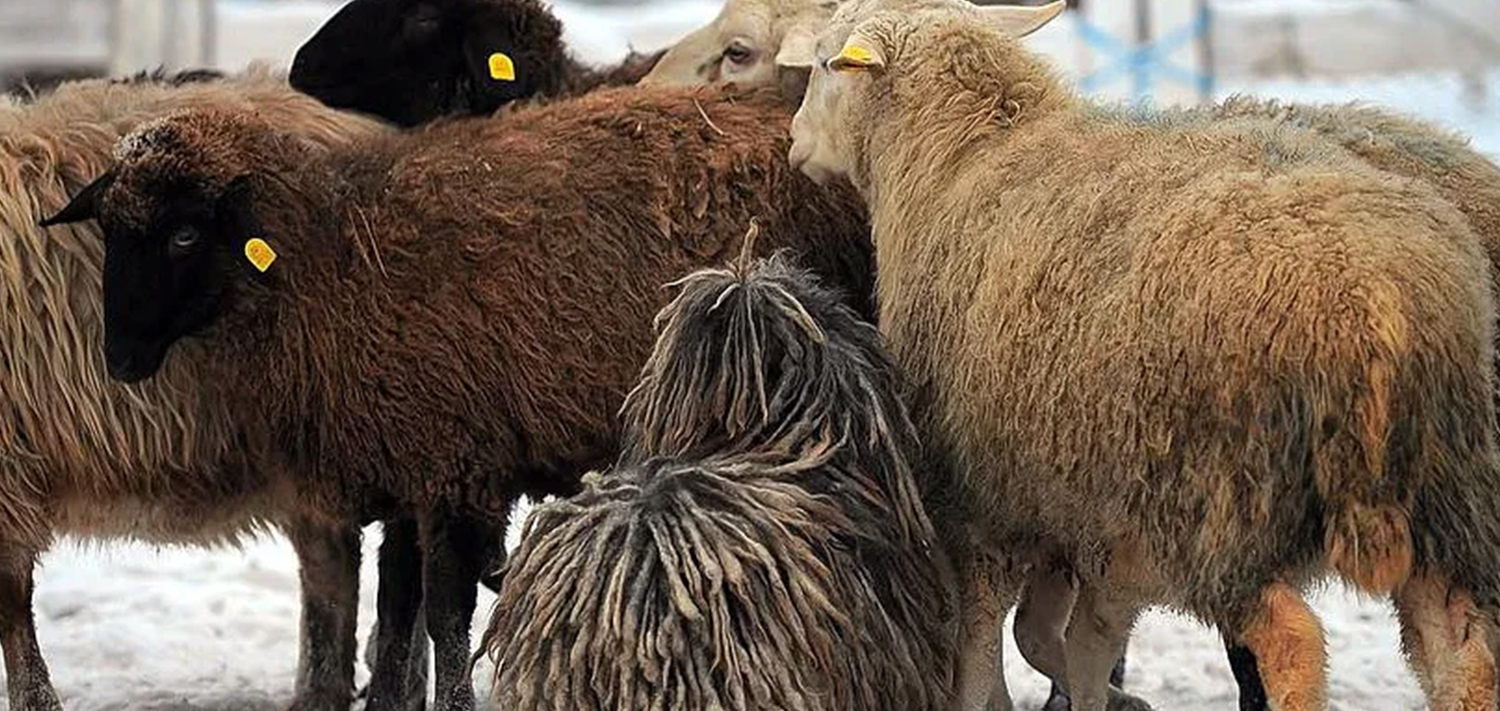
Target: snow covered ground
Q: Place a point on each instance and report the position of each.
(131, 627)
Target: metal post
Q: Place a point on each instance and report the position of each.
(112, 26)
(208, 33)
(1206, 52)
(167, 49)
(1140, 70)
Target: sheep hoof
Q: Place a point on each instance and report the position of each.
(1121, 701)
(1118, 701)
(1057, 701)
(320, 702)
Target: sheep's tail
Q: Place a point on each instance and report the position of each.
(1368, 538)
(1427, 494)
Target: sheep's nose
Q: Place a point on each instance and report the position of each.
(799, 154)
(131, 364)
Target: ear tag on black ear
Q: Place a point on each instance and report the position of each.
(501, 67)
(259, 253)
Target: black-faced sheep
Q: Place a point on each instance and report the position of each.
(158, 461)
(454, 314)
(412, 61)
(760, 545)
(1230, 360)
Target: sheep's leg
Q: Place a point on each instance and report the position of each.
(1042, 621)
(456, 551)
(329, 566)
(1097, 632)
(1286, 641)
(1446, 640)
(397, 651)
(1246, 676)
(27, 681)
(988, 592)
(1057, 699)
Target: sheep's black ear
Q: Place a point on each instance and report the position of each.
(233, 209)
(84, 205)
(420, 24)
(496, 75)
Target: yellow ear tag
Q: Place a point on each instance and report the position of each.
(259, 253)
(855, 57)
(502, 68)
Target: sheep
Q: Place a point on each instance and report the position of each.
(744, 33)
(453, 313)
(746, 44)
(413, 61)
(1231, 359)
(761, 543)
(765, 42)
(750, 43)
(156, 462)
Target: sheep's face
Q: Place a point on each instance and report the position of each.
(167, 278)
(173, 220)
(851, 87)
(411, 61)
(827, 130)
(750, 43)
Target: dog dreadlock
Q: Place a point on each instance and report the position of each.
(761, 543)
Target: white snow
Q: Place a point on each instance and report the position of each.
(126, 626)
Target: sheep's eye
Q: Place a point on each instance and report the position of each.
(738, 54)
(184, 239)
(421, 24)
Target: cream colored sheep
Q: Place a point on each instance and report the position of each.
(1390, 142)
(1199, 366)
(750, 43)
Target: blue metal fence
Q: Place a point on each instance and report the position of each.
(1149, 62)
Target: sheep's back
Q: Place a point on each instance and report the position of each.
(1402, 146)
(514, 266)
(1214, 347)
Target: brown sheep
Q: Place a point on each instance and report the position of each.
(454, 313)
(157, 461)
(760, 545)
(413, 61)
(1230, 359)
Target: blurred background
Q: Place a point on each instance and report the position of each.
(1437, 58)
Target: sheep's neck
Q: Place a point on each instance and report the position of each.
(935, 125)
(297, 217)
(923, 158)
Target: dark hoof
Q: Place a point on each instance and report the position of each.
(321, 702)
(1058, 701)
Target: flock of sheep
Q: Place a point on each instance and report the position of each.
(1113, 359)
